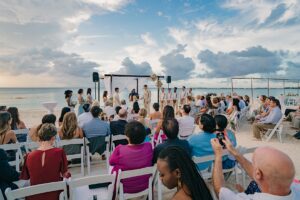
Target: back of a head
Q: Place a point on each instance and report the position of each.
(122, 113)
(170, 128)
(46, 132)
(156, 107)
(4, 121)
(208, 123)
(96, 111)
(2, 108)
(69, 125)
(143, 113)
(117, 109)
(63, 112)
(177, 158)
(135, 131)
(236, 102)
(277, 168)
(187, 109)
(49, 118)
(221, 122)
(136, 107)
(95, 103)
(168, 112)
(15, 117)
(86, 107)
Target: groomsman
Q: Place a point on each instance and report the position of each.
(175, 99)
(116, 98)
(162, 99)
(147, 98)
(169, 97)
(183, 96)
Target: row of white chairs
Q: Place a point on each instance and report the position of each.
(79, 187)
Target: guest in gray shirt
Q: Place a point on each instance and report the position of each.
(95, 131)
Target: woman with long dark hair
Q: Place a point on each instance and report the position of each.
(64, 110)
(81, 101)
(7, 136)
(168, 113)
(105, 97)
(16, 122)
(89, 98)
(176, 169)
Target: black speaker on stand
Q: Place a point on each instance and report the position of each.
(168, 80)
(95, 80)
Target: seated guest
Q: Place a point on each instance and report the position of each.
(176, 169)
(123, 104)
(135, 155)
(109, 109)
(142, 117)
(2, 108)
(200, 143)
(186, 122)
(272, 170)
(168, 113)
(134, 115)
(96, 130)
(64, 110)
(156, 114)
(33, 133)
(118, 127)
(117, 109)
(8, 173)
(171, 129)
(221, 124)
(242, 103)
(86, 116)
(16, 122)
(7, 136)
(46, 164)
(268, 122)
(70, 130)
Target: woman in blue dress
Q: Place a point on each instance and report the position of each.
(81, 101)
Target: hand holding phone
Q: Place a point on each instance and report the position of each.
(221, 137)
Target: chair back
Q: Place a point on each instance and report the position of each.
(21, 134)
(115, 138)
(75, 155)
(79, 188)
(135, 173)
(37, 189)
(14, 148)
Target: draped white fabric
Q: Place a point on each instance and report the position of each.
(124, 84)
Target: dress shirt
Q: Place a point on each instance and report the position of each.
(273, 117)
(186, 126)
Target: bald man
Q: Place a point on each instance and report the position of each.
(271, 169)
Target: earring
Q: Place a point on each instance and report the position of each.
(178, 184)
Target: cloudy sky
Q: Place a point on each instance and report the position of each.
(199, 43)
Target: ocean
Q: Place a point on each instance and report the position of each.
(32, 98)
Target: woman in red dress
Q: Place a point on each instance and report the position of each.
(46, 164)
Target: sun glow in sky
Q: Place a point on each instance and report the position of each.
(60, 43)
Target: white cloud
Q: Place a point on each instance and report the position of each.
(179, 35)
(148, 39)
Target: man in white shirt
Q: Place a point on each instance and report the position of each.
(162, 99)
(147, 98)
(169, 97)
(109, 109)
(86, 116)
(116, 98)
(186, 123)
(271, 169)
(183, 96)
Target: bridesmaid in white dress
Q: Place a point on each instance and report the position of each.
(89, 98)
(81, 101)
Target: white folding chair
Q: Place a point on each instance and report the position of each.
(79, 188)
(19, 158)
(207, 173)
(270, 132)
(135, 173)
(37, 189)
(30, 146)
(115, 138)
(153, 123)
(20, 132)
(80, 155)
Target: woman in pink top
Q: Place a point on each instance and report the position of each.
(135, 155)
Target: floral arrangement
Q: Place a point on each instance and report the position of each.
(159, 84)
(153, 77)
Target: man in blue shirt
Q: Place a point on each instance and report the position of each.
(96, 130)
(269, 121)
